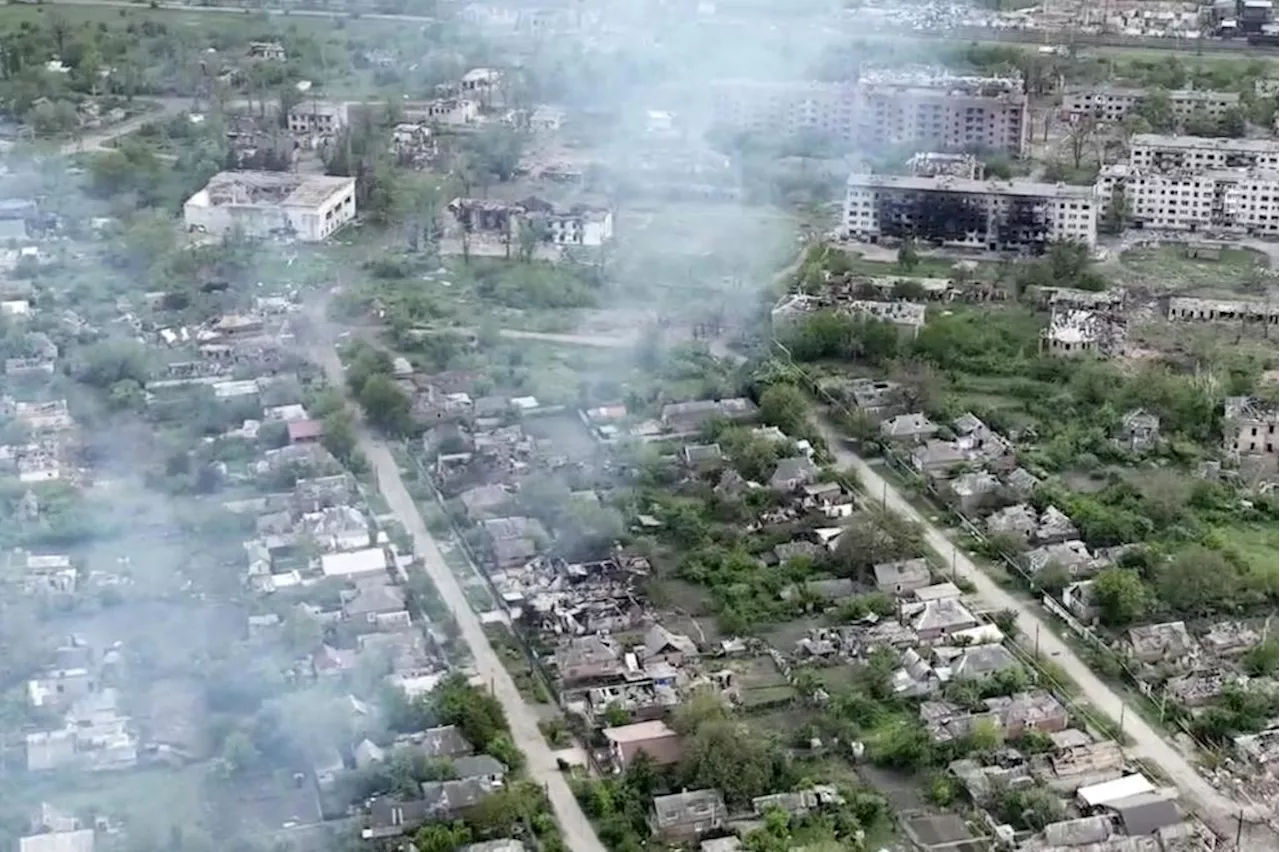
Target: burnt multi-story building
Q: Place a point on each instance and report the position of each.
(924, 110)
(993, 215)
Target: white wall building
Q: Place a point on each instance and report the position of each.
(262, 204)
(939, 111)
(452, 112)
(1242, 200)
(1153, 150)
(587, 227)
(972, 213)
(1110, 103)
(925, 109)
(784, 107)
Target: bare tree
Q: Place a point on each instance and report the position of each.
(1079, 137)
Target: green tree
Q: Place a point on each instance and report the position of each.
(908, 256)
(1233, 123)
(1157, 110)
(1263, 660)
(1197, 581)
(442, 837)
(340, 434)
(497, 150)
(478, 715)
(723, 754)
(239, 753)
(904, 744)
(385, 405)
(530, 234)
(1121, 596)
(784, 406)
(873, 537)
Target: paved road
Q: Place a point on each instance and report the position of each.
(1216, 809)
(578, 832)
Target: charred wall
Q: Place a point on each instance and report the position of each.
(934, 217)
(1023, 226)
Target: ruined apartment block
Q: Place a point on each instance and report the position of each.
(1186, 309)
(925, 109)
(263, 204)
(938, 111)
(992, 215)
(1112, 103)
(1196, 153)
(1235, 200)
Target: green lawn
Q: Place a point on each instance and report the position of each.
(1259, 545)
(1239, 272)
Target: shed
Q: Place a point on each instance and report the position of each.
(1107, 792)
(367, 561)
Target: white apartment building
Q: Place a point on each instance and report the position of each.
(938, 111)
(925, 110)
(991, 215)
(1153, 150)
(262, 204)
(1110, 103)
(1242, 200)
(788, 107)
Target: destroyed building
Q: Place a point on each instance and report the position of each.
(264, 204)
(1015, 215)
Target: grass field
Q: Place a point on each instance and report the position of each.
(208, 19)
(1259, 546)
(1168, 269)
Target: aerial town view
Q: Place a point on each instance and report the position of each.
(638, 425)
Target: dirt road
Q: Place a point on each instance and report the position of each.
(169, 107)
(1217, 810)
(578, 832)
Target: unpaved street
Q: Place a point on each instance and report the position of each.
(577, 829)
